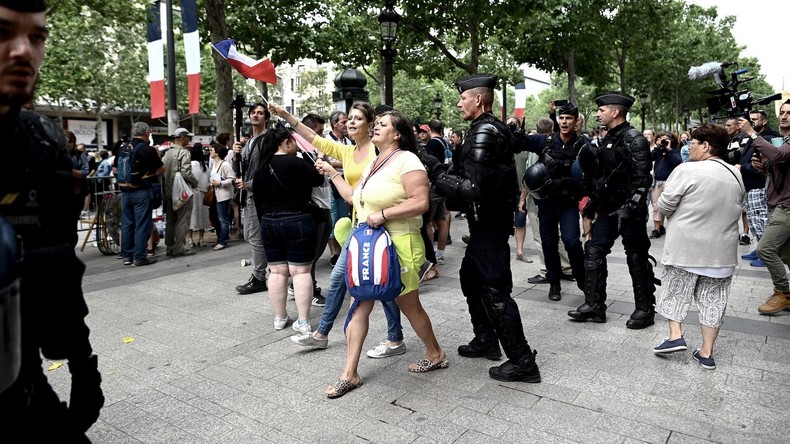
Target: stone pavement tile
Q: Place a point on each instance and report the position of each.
(485, 424)
(667, 419)
(584, 433)
(472, 437)
(377, 431)
(568, 412)
(431, 427)
(259, 432)
(730, 435)
(494, 392)
(525, 417)
(525, 433)
(102, 432)
(680, 438)
(632, 429)
(770, 366)
(143, 425)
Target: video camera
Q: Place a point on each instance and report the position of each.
(728, 98)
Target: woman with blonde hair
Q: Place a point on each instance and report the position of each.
(393, 192)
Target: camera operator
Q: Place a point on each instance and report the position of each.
(774, 247)
(557, 194)
(754, 204)
(666, 156)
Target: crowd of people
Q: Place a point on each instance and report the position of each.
(376, 166)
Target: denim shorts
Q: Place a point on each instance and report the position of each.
(289, 237)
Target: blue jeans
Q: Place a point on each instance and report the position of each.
(336, 294)
(565, 214)
(223, 234)
(136, 223)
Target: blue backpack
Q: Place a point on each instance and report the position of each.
(126, 158)
(372, 267)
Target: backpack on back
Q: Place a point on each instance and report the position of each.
(126, 160)
(372, 267)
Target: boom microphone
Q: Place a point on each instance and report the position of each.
(705, 70)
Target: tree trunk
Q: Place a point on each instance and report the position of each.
(218, 30)
(570, 68)
(99, 132)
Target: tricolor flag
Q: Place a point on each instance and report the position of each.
(521, 99)
(192, 52)
(262, 70)
(156, 63)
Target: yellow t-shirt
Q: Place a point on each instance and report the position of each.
(384, 189)
(352, 171)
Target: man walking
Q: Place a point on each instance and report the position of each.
(178, 159)
(617, 176)
(486, 190)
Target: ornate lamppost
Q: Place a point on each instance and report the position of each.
(388, 22)
(437, 105)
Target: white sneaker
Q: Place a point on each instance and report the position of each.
(301, 327)
(291, 291)
(280, 323)
(190, 243)
(440, 260)
(383, 350)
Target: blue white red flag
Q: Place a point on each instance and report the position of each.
(156, 63)
(262, 70)
(191, 52)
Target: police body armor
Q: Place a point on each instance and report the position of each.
(10, 338)
(610, 184)
(551, 176)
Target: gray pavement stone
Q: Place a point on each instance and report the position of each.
(206, 365)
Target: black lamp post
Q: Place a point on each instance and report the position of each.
(644, 99)
(686, 118)
(388, 21)
(437, 105)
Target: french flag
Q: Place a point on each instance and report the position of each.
(192, 52)
(262, 70)
(156, 63)
(521, 100)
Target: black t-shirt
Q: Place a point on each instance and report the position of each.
(146, 162)
(290, 189)
(436, 148)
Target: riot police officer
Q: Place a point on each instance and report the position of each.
(37, 193)
(617, 175)
(557, 195)
(485, 191)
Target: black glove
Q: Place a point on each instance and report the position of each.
(623, 214)
(590, 209)
(86, 398)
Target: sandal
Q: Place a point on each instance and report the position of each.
(426, 365)
(433, 273)
(524, 258)
(342, 387)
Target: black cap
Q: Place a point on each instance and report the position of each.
(614, 98)
(24, 5)
(476, 81)
(568, 108)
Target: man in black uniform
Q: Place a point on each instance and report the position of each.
(485, 192)
(557, 195)
(617, 177)
(37, 192)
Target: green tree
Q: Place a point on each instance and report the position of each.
(313, 94)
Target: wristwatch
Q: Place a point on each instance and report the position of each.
(753, 136)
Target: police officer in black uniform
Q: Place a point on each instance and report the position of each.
(617, 177)
(37, 194)
(557, 195)
(485, 192)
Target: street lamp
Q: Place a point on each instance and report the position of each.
(437, 105)
(686, 118)
(388, 22)
(644, 99)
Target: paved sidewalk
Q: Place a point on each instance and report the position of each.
(206, 366)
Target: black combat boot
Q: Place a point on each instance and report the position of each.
(640, 319)
(525, 370)
(586, 312)
(554, 292)
(482, 346)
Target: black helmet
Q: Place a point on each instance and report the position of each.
(536, 179)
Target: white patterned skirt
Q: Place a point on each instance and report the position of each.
(199, 219)
(679, 288)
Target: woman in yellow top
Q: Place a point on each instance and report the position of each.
(355, 159)
(393, 192)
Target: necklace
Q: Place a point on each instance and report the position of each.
(372, 172)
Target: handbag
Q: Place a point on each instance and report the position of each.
(182, 192)
(209, 198)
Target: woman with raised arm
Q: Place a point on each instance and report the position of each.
(392, 192)
(355, 159)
